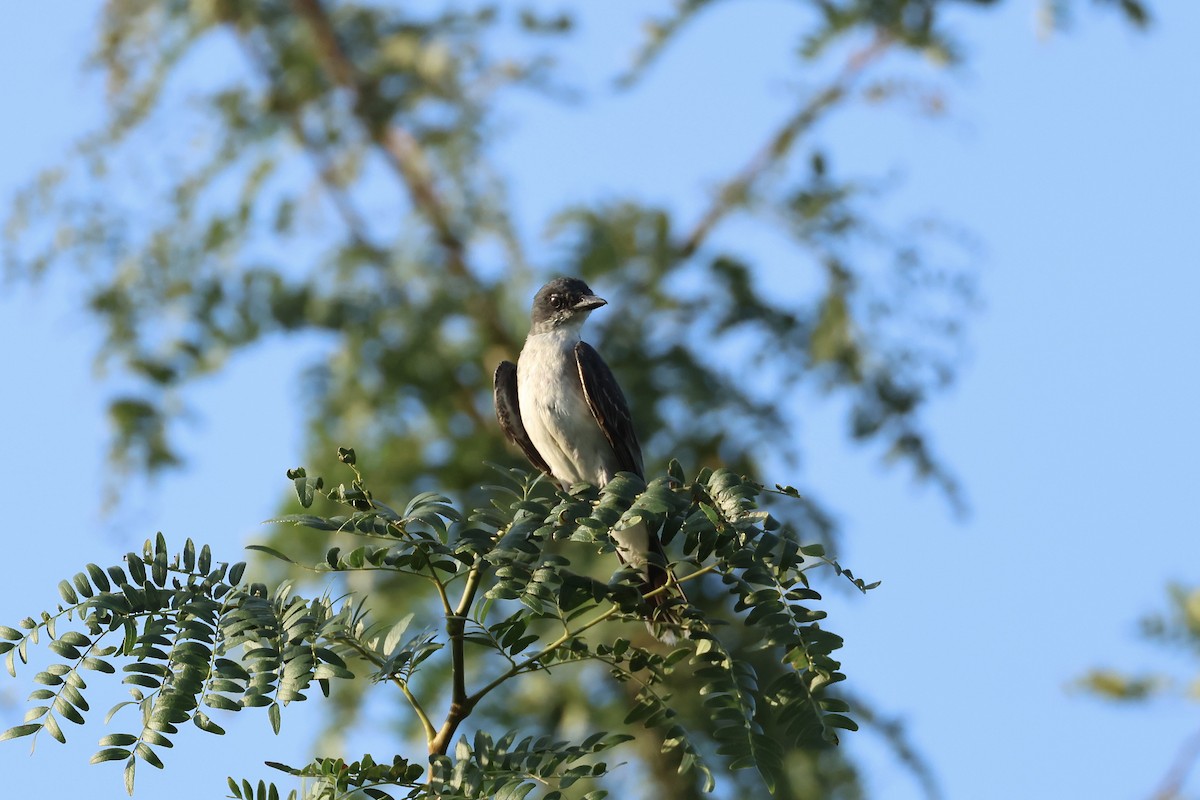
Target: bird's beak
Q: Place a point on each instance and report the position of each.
(589, 302)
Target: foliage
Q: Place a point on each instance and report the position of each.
(194, 640)
(1177, 628)
(332, 174)
(221, 245)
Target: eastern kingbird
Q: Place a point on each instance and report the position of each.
(562, 406)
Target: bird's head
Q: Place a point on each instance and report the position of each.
(563, 302)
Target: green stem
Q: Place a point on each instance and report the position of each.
(545, 651)
(456, 622)
(426, 723)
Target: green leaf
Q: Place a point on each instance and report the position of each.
(75, 638)
(306, 488)
(67, 592)
(18, 731)
(61, 648)
(203, 722)
(517, 791)
(222, 702)
(68, 711)
(159, 567)
(271, 551)
(117, 740)
(395, 634)
(51, 725)
(143, 752)
(308, 521)
(99, 578)
(137, 570)
(109, 754)
(840, 721)
(82, 586)
(97, 664)
(148, 681)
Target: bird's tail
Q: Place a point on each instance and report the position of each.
(639, 547)
(665, 622)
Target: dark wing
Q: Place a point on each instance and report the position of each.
(508, 413)
(607, 402)
(608, 406)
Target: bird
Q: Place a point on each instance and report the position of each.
(562, 406)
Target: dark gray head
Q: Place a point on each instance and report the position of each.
(563, 302)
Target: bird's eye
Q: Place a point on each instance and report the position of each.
(557, 300)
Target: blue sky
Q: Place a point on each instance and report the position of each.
(1072, 160)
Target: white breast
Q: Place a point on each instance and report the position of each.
(555, 413)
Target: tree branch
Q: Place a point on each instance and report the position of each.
(734, 192)
(460, 703)
(1185, 759)
(568, 635)
(321, 161)
(401, 149)
(404, 154)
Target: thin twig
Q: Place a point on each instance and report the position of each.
(1185, 759)
(545, 651)
(426, 723)
(566, 637)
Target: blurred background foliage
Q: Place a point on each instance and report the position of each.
(1177, 630)
(331, 172)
